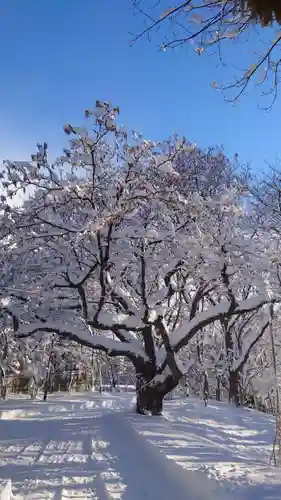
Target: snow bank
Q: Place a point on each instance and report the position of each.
(17, 414)
(232, 446)
(6, 490)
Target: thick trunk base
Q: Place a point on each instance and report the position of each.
(150, 396)
(149, 401)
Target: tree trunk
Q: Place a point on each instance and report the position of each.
(206, 388)
(150, 397)
(234, 395)
(4, 391)
(3, 383)
(149, 400)
(218, 388)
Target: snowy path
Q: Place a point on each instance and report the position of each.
(147, 473)
(74, 449)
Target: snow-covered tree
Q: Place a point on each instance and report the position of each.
(116, 257)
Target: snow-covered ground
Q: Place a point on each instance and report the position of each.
(93, 446)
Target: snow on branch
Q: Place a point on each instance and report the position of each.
(241, 361)
(110, 346)
(181, 336)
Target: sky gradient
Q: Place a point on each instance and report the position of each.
(59, 56)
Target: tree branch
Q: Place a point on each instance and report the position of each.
(109, 346)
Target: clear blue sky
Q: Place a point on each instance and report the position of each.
(59, 56)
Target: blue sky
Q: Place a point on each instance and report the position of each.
(59, 56)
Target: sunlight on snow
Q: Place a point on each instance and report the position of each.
(113, 484)
(75, 455)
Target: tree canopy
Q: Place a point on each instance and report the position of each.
(149, 251)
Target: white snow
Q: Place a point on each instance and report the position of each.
(92, 446)
(212, 313)
(5, 490)
(65, 329)
(231, 446)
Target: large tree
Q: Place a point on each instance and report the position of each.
(117, 258)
